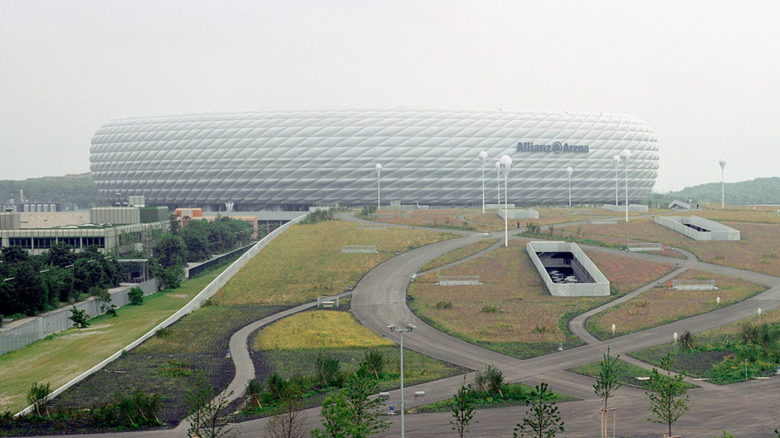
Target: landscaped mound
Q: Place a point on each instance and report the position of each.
(512, 312)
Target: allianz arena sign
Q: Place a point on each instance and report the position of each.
(556, 147)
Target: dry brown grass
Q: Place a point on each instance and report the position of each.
(661, 305)
(767, 215)
(306, 261)
(524, 310)
(759, 249)
(460, 253)
(466, 218)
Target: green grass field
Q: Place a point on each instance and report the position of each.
(628, 373)
(63, 356)
(306, 261)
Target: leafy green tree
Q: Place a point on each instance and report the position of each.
(607, 383)
(79, 317)
(86, 274)
(29, 288)
(174, 225)
(463, 409)
(59, 282)
(351, 413)
(170, 250)
(543, 419)
(196, 240)
(60, 254)
(669, 398)
(14, 254)
(171, 277)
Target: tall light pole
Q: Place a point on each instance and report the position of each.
(483, 156)
(506, 163)
(408, 329)
(569, 171)
(722, 184)
(616, 159)
(378, 168)
(498, 184)
(624, 157)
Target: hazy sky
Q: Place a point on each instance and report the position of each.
(704, 74)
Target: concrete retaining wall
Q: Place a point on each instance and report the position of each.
(637, 208)
(717, 231)
(600, 286)
(19, 334)
(195, 303)
(528, 213)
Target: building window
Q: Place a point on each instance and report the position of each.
(75, 242)
(93, 241)
(43, 242)
(21, 242)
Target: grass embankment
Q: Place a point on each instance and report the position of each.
(307, 261)
(757, 251)
(63, 356)
(296, 267)
(290, 347)
(627, 373)
(458, 254)
(662, 305)
(766, 215)
(512, 312)
(719, 354)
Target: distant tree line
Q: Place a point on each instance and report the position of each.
(78, 189)
(30, 284)
(200, 239)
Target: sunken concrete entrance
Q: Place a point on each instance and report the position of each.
(566, 270)
(698, 228)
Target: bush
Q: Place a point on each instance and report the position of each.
(491, 309)
(318, 216)
(136, 296)
(79, 317)
(491, 380)
(443, 305)
(37, 396)
(171, 277)
(328, 370)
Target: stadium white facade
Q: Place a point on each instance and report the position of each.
(297, 158)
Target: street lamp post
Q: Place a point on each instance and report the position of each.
(408, 329)
(498, 184)
(506, 163)
(616, 159)
(378, 168)
(624, 157)
(722, 185)
(569, 171)
(483, 157)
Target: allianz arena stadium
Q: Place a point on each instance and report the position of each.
(293, 159)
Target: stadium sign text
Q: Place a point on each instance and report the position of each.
(556, 147)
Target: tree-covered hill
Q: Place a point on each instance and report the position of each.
(756, 191)
(78, 189)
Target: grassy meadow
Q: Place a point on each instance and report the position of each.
(512, 312)
(306, 261)
(662, 305)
